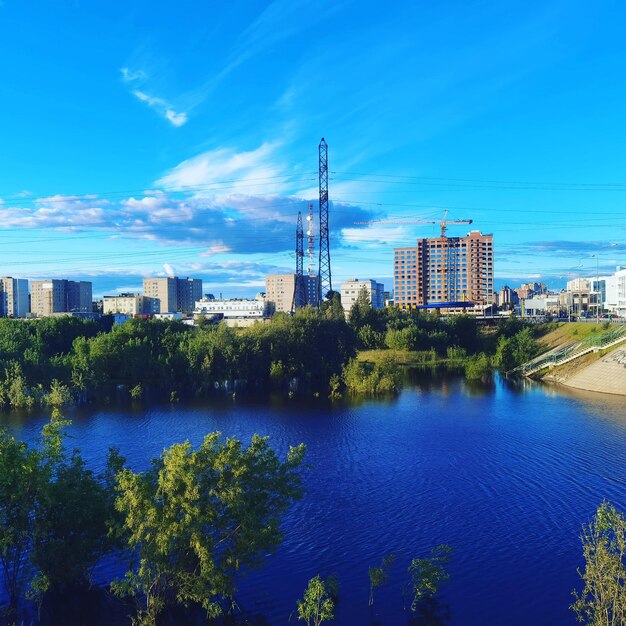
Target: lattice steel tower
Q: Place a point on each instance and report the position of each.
(324, 275)
(299, 288)
(310, 239)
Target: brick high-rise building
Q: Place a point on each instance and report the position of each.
(445, 269)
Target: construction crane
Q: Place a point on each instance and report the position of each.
(443, 223)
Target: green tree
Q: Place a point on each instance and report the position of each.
(198, 516)
(331, 308)
(317, 605)
(378, 574)
(21, 483)
(72, 526)
(602, 601)
(427, 574)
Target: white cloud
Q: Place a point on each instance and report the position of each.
(254, 171)
(161, 106)
(177, 119)
(129, 75)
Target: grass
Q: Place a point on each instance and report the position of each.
(403, 357)
(568, 332)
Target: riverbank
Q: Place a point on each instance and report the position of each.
(600, 372)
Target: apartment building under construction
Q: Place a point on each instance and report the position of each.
(444, 270)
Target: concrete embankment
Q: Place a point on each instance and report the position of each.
(605, 375)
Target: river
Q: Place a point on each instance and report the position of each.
(504, 474)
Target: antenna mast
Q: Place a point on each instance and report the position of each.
(325, 280)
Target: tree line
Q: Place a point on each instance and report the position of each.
(310, 352)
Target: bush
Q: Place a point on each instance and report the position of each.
(477, 367)
(368, 378)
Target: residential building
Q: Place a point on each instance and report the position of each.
(507, 298)
(616, 293)
(188, 292)
(445, 269)
(124, 303)
(171, 294)
(14, 300)
(163, 290)
(280, 292)
(60, 296)
(350, 292)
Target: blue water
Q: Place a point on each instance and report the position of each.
(505, 475)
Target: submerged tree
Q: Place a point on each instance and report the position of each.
(379, 574)
(317, 605)
(427, 575)
(21, 484)
(197, 517)
(602, 601)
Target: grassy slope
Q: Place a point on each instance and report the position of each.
(567, 333)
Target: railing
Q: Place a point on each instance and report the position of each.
(593, 343)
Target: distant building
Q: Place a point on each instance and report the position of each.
(507, 297)
(164, 291)
(172, 294)
(14, 300)
(123, 303)
(616, 293)
(233, 310)
(281, 296)
(188, 292)
(60, 296)
(350, 292)
(445, 269)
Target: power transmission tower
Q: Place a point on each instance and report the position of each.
(299, 289)
(324, 275)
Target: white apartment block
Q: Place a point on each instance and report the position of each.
(350, 292)
(616, 293)
(14, 300)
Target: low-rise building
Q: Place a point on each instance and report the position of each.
(233, 311)
(124, 303)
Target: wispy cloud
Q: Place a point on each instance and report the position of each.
(248, 172)
(164, 108)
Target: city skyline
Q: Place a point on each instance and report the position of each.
(147, 141)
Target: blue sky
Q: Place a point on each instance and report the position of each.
(145, 138)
